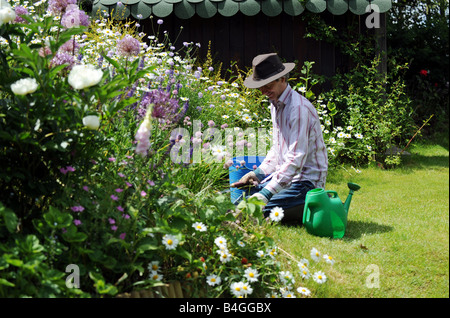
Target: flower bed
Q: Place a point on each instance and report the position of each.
(113, 154)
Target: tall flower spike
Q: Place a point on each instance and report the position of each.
(143, 134)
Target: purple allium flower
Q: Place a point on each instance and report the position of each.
(61, 58)
(74, 17)
(164, 107)
(20, 11)
(128, 46)
(70, 47)
(59, 6)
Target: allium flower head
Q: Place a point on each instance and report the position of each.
(165, 109)
(58, 7)
(61, 58)
(74, 17)
(128, 46)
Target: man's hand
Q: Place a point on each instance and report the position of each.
(248, 179)
(260, 197)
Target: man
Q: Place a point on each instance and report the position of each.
(297, 161)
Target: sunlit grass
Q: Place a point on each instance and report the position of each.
(397, 234)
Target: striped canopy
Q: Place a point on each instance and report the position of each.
(185, 9)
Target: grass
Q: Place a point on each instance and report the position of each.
(398, 231)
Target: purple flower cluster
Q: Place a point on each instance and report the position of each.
(19, 10)
(74, 17)
(164, 108)
(128, 46)
(57, 7)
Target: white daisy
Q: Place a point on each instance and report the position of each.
(251, 274)
(328, 259)
(199, 226)
(320, 277)
(304, 291)
(213, 280)
(315, 254)
(170, 241)
(276, 214)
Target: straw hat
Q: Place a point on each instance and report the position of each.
(267, 68)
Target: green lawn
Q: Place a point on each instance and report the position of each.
(397, 234)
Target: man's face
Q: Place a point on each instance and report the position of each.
(274, 89)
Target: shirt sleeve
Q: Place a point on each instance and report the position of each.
(296, 137)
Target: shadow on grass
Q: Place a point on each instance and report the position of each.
(355, 229)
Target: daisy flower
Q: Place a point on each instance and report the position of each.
(319, 277)
(154, 275)
(315, 254)
(303, 263)
(276, 214)
(304, 291)
(260, 254)
(236, 289)
(225, 257)
(170, 241)
(286, 277)
(304, 273)
(213, 280)
(246, 288)
(153, 266)
(328, 259)
(251, 274)
(220, 241)
(199, 226)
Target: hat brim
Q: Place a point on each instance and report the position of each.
(251, 83)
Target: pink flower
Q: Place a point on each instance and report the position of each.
(76, 222)
(120, 174)
(112, 159)
(122, 236)
(128, 184)
(114, 228)
(115, 198)
(86, 188)
(67, 169)
(118, 190)
(125, 216)
(120, 208)
(111, 221)
(151, 183)
(143, 193)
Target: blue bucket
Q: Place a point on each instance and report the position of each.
(237, 171)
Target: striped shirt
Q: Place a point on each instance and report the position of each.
(298, 152)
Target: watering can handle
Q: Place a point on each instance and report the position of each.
(332, 192)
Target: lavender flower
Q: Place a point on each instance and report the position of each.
(128, 46)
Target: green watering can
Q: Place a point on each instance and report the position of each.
(326, 215)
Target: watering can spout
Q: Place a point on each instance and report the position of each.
(353, 187)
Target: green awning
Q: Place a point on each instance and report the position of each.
(184, 9)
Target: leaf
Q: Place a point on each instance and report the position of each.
(10, 218)
(146, 244)
(6, 283)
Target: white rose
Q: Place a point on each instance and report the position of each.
(24, 86)
(91, 122)
(7, 14)
(83, 76)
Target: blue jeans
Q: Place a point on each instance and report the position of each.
(288, 199)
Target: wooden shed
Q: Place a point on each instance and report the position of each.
(238, 30)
